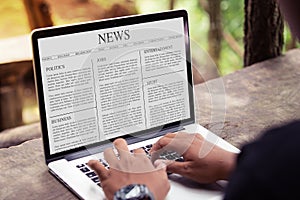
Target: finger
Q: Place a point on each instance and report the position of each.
(177, 134)
(122, 148)
(139, 151)
(162, 164)
(110, 156)
(101, 171)
(170, 135)
(158, 149)
(156, 146)
(172, 140)
(161, 143)
(165, 144)
(120, 143)
(181, 168)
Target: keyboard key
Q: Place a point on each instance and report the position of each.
(96, 179)
(85, 169)
(170, 157)
(181, 159)
(91, 174)
(104, 163)
(80, 165)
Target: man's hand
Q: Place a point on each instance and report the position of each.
(204, 162)
(128, 169)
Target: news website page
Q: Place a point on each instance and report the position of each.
(106, 83)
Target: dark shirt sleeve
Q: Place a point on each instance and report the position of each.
(268, 168)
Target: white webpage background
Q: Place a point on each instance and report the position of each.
(94, 91)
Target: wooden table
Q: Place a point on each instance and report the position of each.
(256, 98)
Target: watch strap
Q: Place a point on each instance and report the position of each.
(134, 192)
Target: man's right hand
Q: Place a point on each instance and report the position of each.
(204, 162)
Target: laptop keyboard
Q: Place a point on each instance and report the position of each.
(167, 155)
(90, 173)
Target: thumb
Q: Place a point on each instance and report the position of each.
(101, 171)
(175, 166)
(161, 164)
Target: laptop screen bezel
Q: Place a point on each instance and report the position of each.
(98, 25)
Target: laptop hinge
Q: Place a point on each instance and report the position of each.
(101, 148)
(154, 134)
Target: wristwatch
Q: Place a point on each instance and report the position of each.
(134, 192)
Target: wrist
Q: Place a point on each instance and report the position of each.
(228, 165)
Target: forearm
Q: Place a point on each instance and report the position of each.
(228, 164)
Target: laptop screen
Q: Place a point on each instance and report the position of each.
(112, 78)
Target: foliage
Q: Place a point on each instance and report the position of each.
(233, 19)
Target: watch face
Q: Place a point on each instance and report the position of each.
(134, 192)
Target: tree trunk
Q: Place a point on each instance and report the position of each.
(215, 29)
(263, 31)
(38, 13)
(171, 4)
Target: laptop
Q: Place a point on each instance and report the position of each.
(128, 77)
